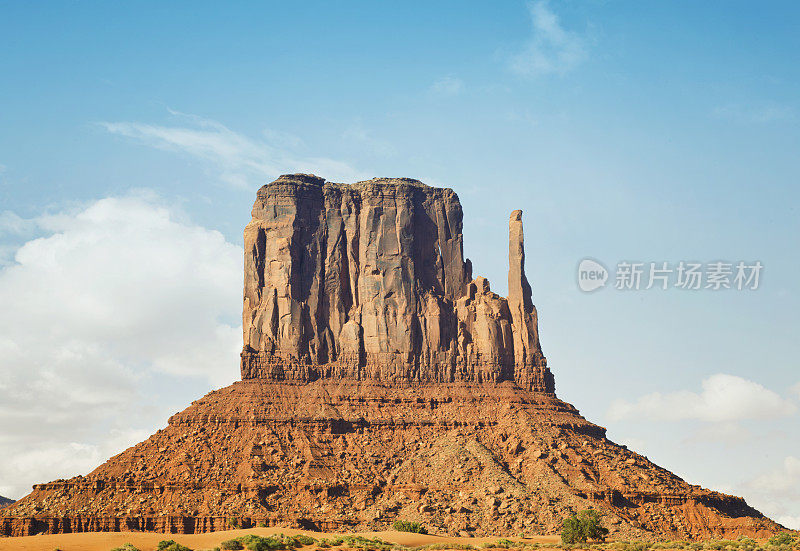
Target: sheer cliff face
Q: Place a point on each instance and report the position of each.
(368, 281)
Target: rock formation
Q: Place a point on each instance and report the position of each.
(4, 501)
(380, 381)
(368, 282)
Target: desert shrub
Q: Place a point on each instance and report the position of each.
(408, 526)
(583, 527)
(234, 522)
(302, 539)
(171, 545)
(360, 542)
(784, 538)
(269, 543)
(126, 547)
(257, 543)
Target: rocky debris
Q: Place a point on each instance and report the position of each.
(445, 455)
(380, 382)
(366, 281)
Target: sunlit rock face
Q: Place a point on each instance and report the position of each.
(368, 282)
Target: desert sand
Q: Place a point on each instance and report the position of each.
(147, 541)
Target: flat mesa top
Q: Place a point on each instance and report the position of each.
(311, 181)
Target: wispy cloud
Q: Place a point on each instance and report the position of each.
(551, 49)
(723, 398)
(12, 223)
(362, 138)
(755, 114)
(448, 86)
(239, 160)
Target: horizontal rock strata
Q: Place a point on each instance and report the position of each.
(490, 459)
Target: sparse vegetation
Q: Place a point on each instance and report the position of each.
(779, 542)
(171, 545)
(269, 543)
(408, 526)
(583, 527)
(784, 538)
(126, 547)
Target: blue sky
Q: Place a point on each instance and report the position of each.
(133, 137)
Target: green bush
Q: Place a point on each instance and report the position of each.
(126, 547)
(583, 527)
(784, 538)
(303, 540)
(171, 545)
(408, 526)
(269, 543)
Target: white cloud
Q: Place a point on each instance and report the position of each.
(790, 521)
(56, 459)
(723, 398)
(239, 160)
(796, 390)
(730, 433)
(112, 301)
(777, 492)
(447, 86)
(552, 49)
(784, 481)
(12, 223)
(755, 114)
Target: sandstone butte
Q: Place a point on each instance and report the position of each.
(380, 381)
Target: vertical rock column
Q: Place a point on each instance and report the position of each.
(529, 362)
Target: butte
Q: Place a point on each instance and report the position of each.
(380, 381)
